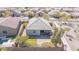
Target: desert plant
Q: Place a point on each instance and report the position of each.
(65, 16)
(45, 16)
(57, 36)
(47, 45)
(7, 12)
(25, 24)
(55, 41)
(29, 13)
(31, 42)
(20, 40)
(25, 41)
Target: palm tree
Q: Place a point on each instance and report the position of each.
(45, 16)
(29, 13)
(20, 41)
(7, 12)
(25, 24)
(57, 36)
(65, 16)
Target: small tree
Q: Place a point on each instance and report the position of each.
(46, 16)
(29, 13)
(57, 37)
(55, 41)
(20, 40)
(7, 12)
(56, 30)
(65, 16)
(25, 24)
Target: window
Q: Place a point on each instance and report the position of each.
(5, 32)
(34, 31)
(42, 31)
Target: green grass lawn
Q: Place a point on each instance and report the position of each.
(31, 42)
(25, 41)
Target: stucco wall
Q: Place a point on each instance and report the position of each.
(31, 32)
(66, 45)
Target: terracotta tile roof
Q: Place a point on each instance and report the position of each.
(11, 22)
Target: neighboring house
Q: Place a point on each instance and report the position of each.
(75, 14)
(39, 13)
(71, 40)
(9, 26)
(53, 13)
(16, 13)
(2, 13)
(26, 18)
(38, 26)
(67, 9)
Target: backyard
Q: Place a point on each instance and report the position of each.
(25, 41)
(56, 38)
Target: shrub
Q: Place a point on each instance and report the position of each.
(29, 13)
(46, 16)
(25, 24)
(31, 42)
(55, 41)
(21, 40)
(47, 45)
(57, 36)
(4, 49)
(24, 41)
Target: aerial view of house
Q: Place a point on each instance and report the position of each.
(39, 29)
(9, 26)
(38, 26)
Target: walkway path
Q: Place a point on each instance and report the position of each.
(24, 32)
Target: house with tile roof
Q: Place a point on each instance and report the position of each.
(9, 26)
(71, 40)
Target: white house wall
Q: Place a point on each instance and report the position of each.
(66, 45)
(30, 32)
